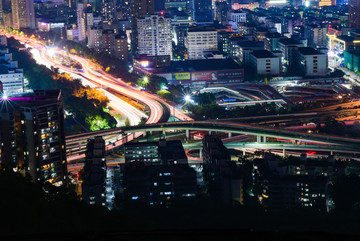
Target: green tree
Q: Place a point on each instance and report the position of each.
(127, 122)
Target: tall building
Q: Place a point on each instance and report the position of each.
(199, 40)
(23, 14)
(354, 13)
(154, 35)
(138, 9)
(32, 135)
(121, 47)
(81, 21)
(108, 10)
(94, 184)
(203, 11)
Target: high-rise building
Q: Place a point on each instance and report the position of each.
(81, 21)
(121, 47)
(199, 40)
(203, 11)
(23, 14)
(108, 10)
(32, 135)
(138, 9)
(154, 35)
(94, 184)
(354, 13)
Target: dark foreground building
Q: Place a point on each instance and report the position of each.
(32, 135)
(157, 173)
(93, 187)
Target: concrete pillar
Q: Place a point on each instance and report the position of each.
(164, 133)
(264, 139)
(284, 153)
(244, 151)
(331, 153)
(258, 139)
(229, 135)
(201, 153)
(187, 134)
(209, 132)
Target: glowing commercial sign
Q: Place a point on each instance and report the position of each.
(181, 76)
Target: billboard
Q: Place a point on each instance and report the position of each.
(204, 75)
(181, 76)
(230, 74)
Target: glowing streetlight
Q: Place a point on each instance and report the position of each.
(188, 98)
(146, 80)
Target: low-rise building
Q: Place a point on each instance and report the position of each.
(265, 63)
(311, 61)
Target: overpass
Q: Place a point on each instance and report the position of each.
(119, 136)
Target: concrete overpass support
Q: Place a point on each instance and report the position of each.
(284, 153)
(229, 135)
(264, 139)
(164, 133)
(187, 134)
(258, 139)
(201, 153)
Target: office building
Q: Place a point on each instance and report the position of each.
(23, 14)
(94, 183)
(354, 14)
(32, 135)
(200, 39)
(264, 62)
(154, 35)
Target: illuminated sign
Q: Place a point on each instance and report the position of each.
(231, 74)
(201, 76)
(181, 76)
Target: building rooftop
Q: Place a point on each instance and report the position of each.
(262, 54)
(273, 35)
(308, 51)
(288, 41)
(202, 65)
(346, 38)
(201, 29)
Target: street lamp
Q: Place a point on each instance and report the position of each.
(187, 98)
(146, 80)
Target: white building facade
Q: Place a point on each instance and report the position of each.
(154, 35)
(200, 40)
